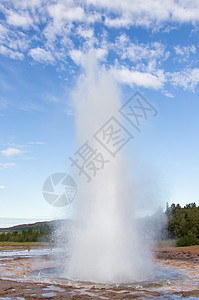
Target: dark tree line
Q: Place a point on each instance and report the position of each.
(183, 224)
(30, 235)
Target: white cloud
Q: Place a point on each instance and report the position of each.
(2, 187)
(20, 20)
(168, 94)
(63, 29)
(139, 51)
(41, 55)
(185, 11)
(118, 22)
(132, 77)
(24, 4)
(19, 44)
(185, 51)
(85, 33)
(147, 12)
(36, 143)
(187, 79)
(13, 43)
(12, 54)
(55, 33)
(7, 165)
(3, 31)
(101, 53)
(62, 13)
(77, 56)
(11, 151)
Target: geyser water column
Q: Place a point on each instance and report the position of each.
(105, 246)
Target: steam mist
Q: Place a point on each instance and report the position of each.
(105, 245)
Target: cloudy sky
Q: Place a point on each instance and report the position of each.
(149, 46)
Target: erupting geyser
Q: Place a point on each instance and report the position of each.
(105, 245)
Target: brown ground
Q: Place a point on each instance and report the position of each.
(189, 249)
(28, 246)
(190, 253)
(27, 290)
(183, 258)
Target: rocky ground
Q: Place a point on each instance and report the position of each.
(184, 258)
(190, 253)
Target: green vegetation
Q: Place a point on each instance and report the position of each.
(168, 242)
(25, 244)
(183, 224)
(30, 235)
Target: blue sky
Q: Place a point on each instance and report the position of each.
(146, 45)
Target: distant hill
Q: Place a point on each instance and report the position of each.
(35, 226)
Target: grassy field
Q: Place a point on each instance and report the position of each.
(167, 243)
(24, 244)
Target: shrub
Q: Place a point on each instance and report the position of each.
(187, 241)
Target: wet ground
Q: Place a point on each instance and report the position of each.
(30, 273)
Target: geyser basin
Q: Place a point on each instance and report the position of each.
(161, 276)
